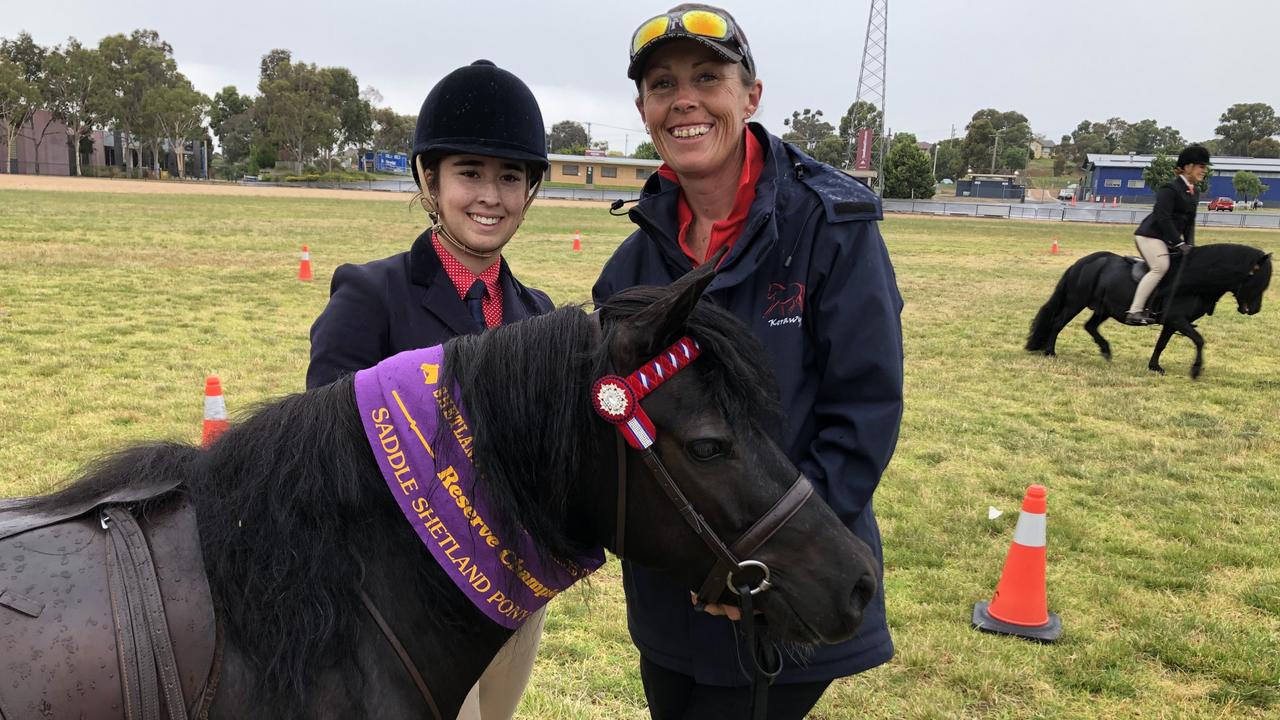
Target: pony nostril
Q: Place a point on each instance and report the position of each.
(864, 590)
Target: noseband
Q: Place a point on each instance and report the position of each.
(617, 400)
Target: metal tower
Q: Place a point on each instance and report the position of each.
(871, 81)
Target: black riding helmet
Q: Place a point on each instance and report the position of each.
(480, 109)
(1193, 155)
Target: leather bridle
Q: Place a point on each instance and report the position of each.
(617, 400)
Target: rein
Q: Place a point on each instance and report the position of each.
(410, 667)
(617, 400)
(1173, 289)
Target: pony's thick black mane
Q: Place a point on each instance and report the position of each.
(291, 503)
(1219, 267)
(525, 388)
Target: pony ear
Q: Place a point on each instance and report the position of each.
(663, 323)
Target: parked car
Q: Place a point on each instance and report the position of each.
(1223, 203)
(1066, 194)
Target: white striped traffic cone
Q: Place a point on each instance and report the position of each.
(215, 411)
(304, 267)
(1019, 606)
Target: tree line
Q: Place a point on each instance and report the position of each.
(998, 141)
(306, 112)
(131, 83)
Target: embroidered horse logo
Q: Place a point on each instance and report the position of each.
(785, 300)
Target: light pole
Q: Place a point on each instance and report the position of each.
(994, 148)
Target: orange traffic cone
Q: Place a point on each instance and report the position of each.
(1115, 201)
(1073, 201)
(304, 267)
(215, 411)
(1019, 606)
(1053, 249)
(577, 241)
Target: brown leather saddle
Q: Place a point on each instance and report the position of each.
(105, 610)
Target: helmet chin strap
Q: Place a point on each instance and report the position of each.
(437, 217)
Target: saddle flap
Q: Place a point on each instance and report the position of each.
(21, 603)
(16, 517)
(56, 621)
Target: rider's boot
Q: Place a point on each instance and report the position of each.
(1141, 317)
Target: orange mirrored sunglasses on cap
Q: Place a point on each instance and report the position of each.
(703, 23)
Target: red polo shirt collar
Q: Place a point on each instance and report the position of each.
(726, 232)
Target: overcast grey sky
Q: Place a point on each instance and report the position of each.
(1180, 62)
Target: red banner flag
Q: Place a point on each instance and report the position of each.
(863, 161)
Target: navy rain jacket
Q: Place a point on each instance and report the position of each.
(811, 277)
(402, 302)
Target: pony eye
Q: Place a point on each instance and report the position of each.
(706, 449)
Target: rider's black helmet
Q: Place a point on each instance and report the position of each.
(1193, 155)
(480, 109)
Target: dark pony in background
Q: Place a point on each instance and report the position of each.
(1104, 282)
(296, 522)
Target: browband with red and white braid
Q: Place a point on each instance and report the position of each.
(617, 399)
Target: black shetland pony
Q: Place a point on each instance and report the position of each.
(1104, 283)
(295, 517)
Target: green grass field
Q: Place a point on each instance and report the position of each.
(1164, 503)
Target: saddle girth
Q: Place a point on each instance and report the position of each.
(143, 643)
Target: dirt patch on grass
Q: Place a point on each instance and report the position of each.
(182, 187)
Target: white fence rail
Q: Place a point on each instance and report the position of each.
(1080, 213)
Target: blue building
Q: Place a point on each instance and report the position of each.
(1112, 176)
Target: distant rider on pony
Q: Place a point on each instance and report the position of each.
(1170, 226)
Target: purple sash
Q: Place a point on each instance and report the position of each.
(418, 433)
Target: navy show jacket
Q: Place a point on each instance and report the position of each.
(1173, 218)
(811, 277)
(402, 302)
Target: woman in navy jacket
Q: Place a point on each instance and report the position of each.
(478, 157)
(808, 271)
